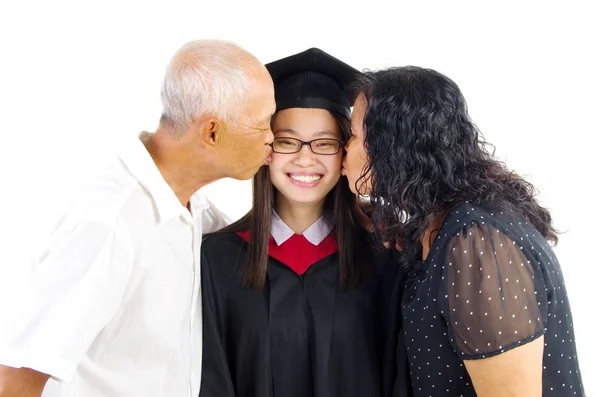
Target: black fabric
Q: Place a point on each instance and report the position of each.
(490, 283)
(395, 364)
(312, 79)
(299, 337)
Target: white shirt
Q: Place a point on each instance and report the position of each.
(315, 233)
(113, 307)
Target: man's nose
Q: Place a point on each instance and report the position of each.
(269, 137)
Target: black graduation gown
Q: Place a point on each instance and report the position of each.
(301, 336)
(395, 363)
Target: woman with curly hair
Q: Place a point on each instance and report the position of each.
(481, 301)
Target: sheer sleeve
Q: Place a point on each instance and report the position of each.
(493, 296)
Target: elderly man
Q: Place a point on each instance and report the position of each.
(112, 309)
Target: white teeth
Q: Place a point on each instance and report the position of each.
(305, 178)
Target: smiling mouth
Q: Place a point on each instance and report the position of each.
(305, 178)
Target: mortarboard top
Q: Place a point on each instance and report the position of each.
(312, 79)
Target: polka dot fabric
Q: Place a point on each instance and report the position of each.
(491, 283)
(490, 293)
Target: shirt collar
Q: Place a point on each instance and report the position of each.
(140, 164)
(315, 234)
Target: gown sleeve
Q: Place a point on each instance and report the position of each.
(493, 296)
(216, 376)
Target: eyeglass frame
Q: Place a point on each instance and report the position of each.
(309, 143)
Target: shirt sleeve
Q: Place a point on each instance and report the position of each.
(76, 286)
(493, 296)
(214, 219)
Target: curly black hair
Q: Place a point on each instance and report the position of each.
(426, 156)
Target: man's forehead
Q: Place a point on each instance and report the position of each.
(265, 120)
(269, 115)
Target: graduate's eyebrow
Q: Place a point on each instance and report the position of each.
(318, 134)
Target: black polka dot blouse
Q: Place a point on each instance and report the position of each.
(490, 283)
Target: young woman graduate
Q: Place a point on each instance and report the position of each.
(289, 292)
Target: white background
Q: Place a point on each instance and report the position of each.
(79, 78)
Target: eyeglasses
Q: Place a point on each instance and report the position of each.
(317, 146)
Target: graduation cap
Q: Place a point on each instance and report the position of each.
(312, 79)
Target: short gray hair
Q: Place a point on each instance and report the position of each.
(205, 77)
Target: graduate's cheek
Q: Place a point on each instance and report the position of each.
(333, 165)
(276, 172)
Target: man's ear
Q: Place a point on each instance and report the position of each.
(209, 131)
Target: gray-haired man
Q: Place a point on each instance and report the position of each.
(112, 309)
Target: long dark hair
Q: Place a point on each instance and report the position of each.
(340, 206)
(426, 156)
